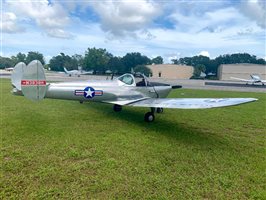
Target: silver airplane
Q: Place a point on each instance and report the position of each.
(126, 90)
(76, 72)
(254, 79)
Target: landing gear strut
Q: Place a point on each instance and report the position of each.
(117, 108)
(159, 110)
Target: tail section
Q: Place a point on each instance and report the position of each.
(65, 70)
(16, 76)
(30, 80)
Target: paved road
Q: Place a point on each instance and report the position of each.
(191, 84)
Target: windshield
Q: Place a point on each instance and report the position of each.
(127, 79)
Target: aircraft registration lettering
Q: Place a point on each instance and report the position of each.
(33, 82)
(88, 92)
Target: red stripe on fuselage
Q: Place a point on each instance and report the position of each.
(33, 82)
(98, 92)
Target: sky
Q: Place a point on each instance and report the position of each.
(168, 28)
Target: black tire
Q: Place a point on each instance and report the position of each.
(117, 108)
(159, 110)
(149, 117)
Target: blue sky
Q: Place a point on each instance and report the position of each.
(171, 29)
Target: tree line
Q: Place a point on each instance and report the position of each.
(100, 60)
(208, 65)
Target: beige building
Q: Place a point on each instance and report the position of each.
(242, 70)
(171, 71)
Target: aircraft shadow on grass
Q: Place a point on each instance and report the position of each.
(182, 132)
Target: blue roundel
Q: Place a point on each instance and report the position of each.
(89, 92)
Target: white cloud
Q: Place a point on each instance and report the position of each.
(59, 33)
(9, 23)
(214, 21)
(52, 18)
(255, 10)
(123, 18)
(217, 31)
(204, 53)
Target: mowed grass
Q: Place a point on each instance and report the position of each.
(57, 149)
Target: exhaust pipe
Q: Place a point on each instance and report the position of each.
(176, 86)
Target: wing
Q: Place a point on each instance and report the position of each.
(127, 102)
(240, 79)
(190, 103)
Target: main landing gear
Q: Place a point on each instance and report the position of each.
(117, 108)
(150, 117)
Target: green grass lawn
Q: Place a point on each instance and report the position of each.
(57, 149)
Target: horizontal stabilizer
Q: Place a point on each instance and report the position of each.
(191, 103)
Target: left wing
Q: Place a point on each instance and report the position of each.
(190, 103)
(241, 79)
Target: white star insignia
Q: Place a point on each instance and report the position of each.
(89, 93)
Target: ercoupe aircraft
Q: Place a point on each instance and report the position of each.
(254, 79)
(76, 72)
(126, 90)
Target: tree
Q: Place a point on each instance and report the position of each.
(261, 61)
(198, 69)
(97, 59)
(175, 61)
(131, 60)
(6, 62)
(79, 59)
(115, 64)
(21, 57)
(57, 63)
(143, 70)
(157, 60)
(34, 56)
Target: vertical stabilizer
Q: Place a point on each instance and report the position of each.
(16, 75)
(33, 82)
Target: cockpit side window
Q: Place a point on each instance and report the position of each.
(127, 79)
(141, 80)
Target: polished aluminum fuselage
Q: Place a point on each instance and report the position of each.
(112, 90)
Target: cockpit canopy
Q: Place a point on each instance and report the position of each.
(136, 80)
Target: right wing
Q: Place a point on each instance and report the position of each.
(190, 103)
